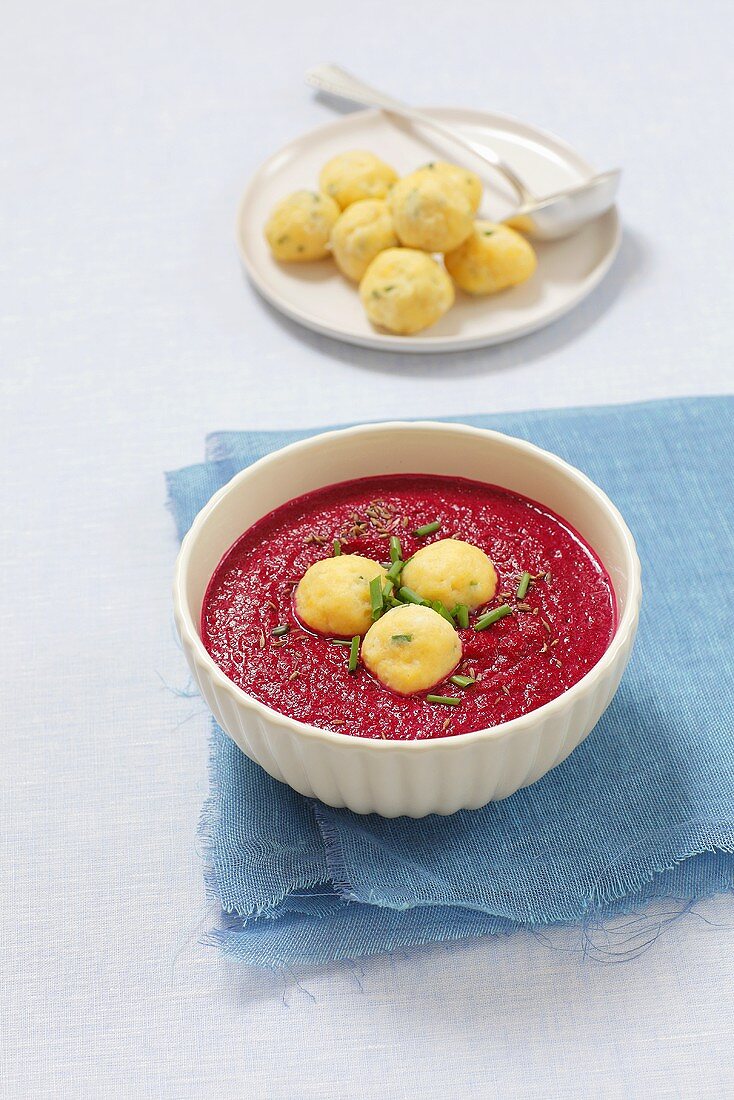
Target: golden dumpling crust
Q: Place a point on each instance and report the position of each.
(300, 226)
(333, 595)
(404, 291)
(494, 257)
(410, 649)
(430, 212)
(356, 175)
(361, 232)
(523, 223)
(466, 181)
(453, 572)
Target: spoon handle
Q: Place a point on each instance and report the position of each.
(337, 81)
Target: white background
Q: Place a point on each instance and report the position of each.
(128, 333)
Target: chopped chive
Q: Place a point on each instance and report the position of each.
(439, 608)
(279, 631)
(353, 653)
(492, 617)
(339, 641)
(337, 548)
(461, 614)
(387, 590)
(462, 681)
(427, 529)
(396, 550)
(402, 638)
(394, 571)
(407, 595)
(447, 700)
(376, 599)
(522, 588)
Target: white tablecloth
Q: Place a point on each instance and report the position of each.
(128, 333)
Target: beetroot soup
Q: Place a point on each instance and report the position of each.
(550, 616)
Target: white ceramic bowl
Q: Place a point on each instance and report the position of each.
(408, 777)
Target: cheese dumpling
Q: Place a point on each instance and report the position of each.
(333, 595)
(404, 291)
(493, 258)
(300, 226)
(453, 572)
(361, 232)
(411, 648)
(466, 181)
(356, 175)
(430, 212)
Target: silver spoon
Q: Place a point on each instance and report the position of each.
(548, 218)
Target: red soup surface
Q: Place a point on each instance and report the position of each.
(556, 633)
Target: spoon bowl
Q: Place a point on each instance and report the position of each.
(565, 212)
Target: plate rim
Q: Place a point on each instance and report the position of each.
(378, 341)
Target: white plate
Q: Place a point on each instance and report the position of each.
(319, 297)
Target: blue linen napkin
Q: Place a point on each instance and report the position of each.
(643, 809)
